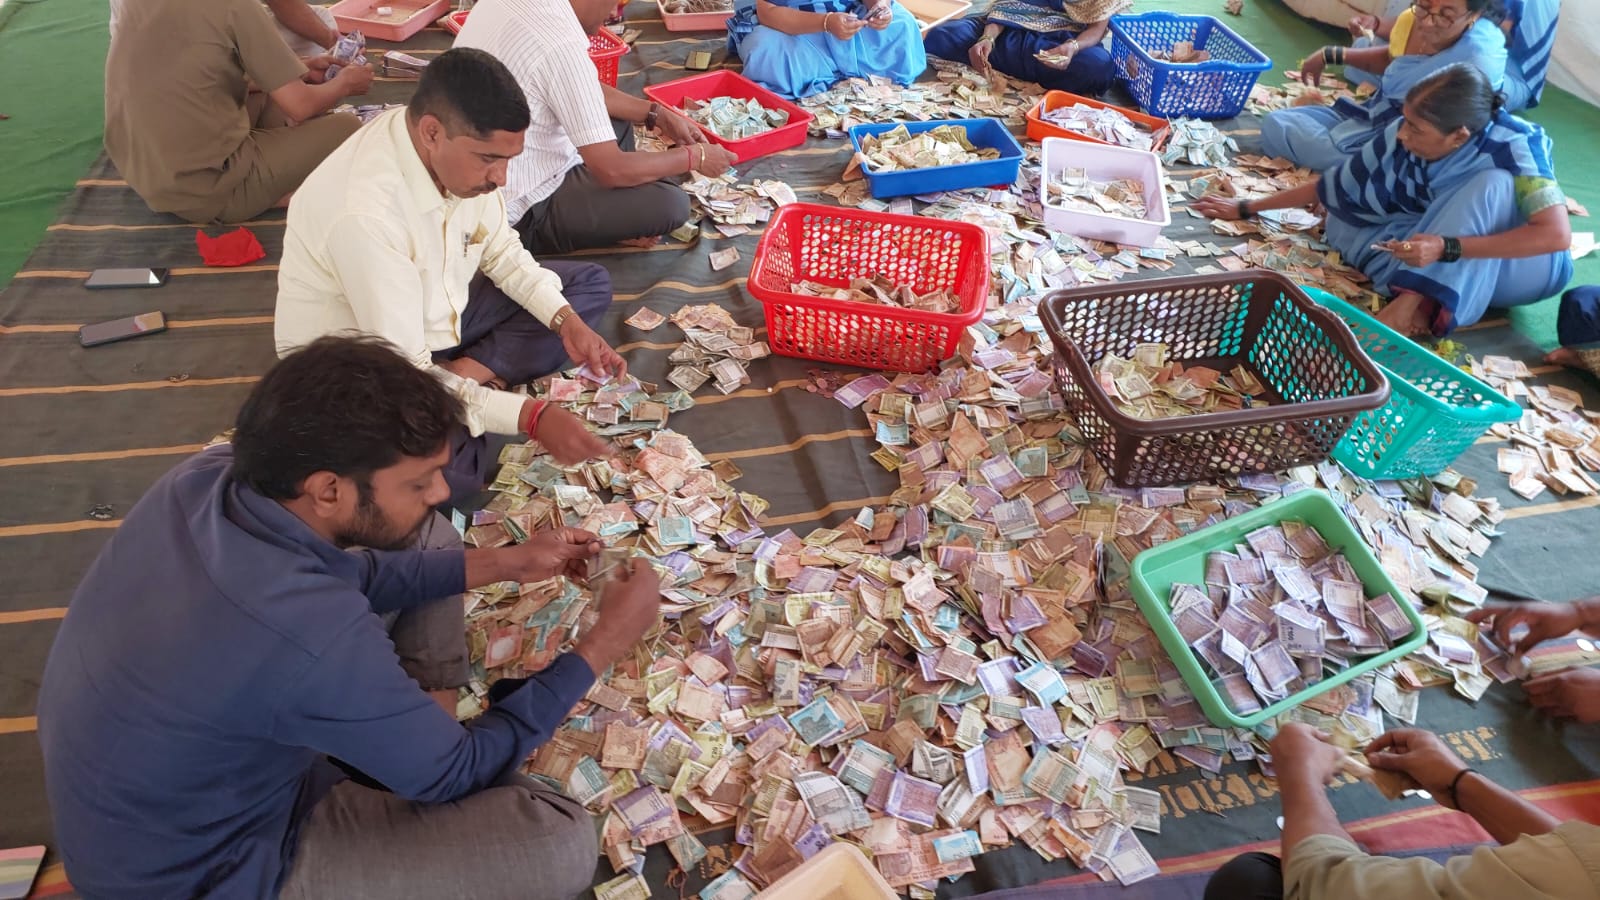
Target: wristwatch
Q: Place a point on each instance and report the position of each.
(650, 117)
(560, 318)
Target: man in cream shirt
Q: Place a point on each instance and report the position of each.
(402, 233)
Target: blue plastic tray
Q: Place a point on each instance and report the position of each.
(981, 132)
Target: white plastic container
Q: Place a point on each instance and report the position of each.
(1104, 162)
(839, 872)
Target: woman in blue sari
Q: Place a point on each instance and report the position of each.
(797, 48)
(1438, 33)
(1014, 33)
(1530, 30)
(1453, 209)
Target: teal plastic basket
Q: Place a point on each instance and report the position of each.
(1435, 410)
(1183, 560)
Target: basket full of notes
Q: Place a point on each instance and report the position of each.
(1297, 564)
(1279, 380)
(829, 252)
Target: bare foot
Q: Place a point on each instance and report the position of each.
(1565, 356)
(1408, 313)
(644, 242)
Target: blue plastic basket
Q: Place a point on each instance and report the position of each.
(981, 132)
(1435, 410)
(1215, 89)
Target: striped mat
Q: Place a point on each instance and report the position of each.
(87, 431)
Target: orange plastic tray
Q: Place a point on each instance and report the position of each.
(1039, 129)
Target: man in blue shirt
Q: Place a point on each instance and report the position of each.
(227, 643)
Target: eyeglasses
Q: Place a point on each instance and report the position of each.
(1445, 19)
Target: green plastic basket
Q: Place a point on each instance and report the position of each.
(1183, 560)
(1435, 410)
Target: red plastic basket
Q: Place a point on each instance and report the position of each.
(833, 245)
(723, 83)
(605, 50)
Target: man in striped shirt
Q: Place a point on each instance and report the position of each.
(579, 183)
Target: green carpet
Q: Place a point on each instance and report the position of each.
(50, 62)
(52, 56)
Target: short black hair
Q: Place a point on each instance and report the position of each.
(469, 90)
(349, 405)
(1457, 96)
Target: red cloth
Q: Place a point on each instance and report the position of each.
(236, 248)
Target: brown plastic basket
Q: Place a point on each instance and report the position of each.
(1318, 379)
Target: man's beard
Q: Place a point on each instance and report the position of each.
(375, 531)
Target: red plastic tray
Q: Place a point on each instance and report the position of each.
(723, 83)
(833, 245)
(605, 51)
(1039, 129)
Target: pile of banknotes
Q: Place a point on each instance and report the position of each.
(1152, 385)
(899, 149)
(954, 670)
(882, 291)
(1281, 609)
(732, 118)
(1072, 188)
(1102, 123)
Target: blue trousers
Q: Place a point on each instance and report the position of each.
(1578, 320)
(1316, 137)
(508, 341)
(1090, 73)
(1485, 205)
(799, 65)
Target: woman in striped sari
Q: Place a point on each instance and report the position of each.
(1451, 210)
(1530, 30)
(1437, 33)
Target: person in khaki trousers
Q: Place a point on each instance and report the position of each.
(210, 116)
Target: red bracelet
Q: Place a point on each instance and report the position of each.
(533, 419)
(688, 154)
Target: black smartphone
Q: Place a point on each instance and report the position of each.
(122, 329)
(101, 279)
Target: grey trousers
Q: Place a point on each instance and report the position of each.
(517, 839)
(431, 639)
(583, 214)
